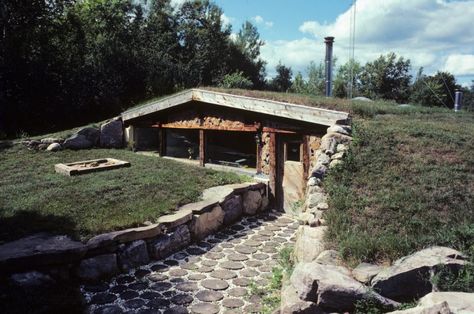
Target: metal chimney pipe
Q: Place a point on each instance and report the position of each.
(457, 101)
(328, 41)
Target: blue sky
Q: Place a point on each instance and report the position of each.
(433, 34)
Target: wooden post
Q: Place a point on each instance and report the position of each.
(202, 148)
(273, 164)
(306, 153)
(162, 145)
(259, 152)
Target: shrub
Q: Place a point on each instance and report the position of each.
(236, 80)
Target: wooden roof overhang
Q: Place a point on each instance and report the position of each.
(296, 112)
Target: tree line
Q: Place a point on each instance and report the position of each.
(64, 63)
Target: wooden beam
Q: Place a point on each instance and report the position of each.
(259, 153)
(276, 130)
(306, 153)
(204, 127)
(202, 148)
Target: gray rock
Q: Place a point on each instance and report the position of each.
(176, 219)
(98, 267)
(364, 272)
(132, 255)
(332, 288)
(51, 140)
(292, 304)
(232, 210)
(323, 160)
(316, 198)
(206, 223)
(360, 98)
(313, 181)
(309, 243)
(328, 145)
(124, 236)
(218, 193)
(335, 163)
(77, 141)
(342, 148)
(252, 202)
(319, 172)
(39, 250)
(329, 257)
(305, 218)
(111, 134)
(339, 155)
(346, 130)
(54, 147)
(265, 203)
(91, 134)
(409, 277)
(440, 308)
(170, 243)
(459, 302)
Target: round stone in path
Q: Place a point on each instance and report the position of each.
(237, 257)
(128, 294)
(110, 309)
(253, 243)
(158, 303)
(265, 268)
(140, 273)
(177, 310)
(204, 308)
(171, 262)
(253, 308)
(241, 282)
(182, 299)
(209, 296)
(138, 286)
(223, 274)
(266, 233)
(187, 286)
(134, 303)
(205, 269)
(235, 241)
(260, 256)
(237, 227)
(160, 268)
(260, 238)
(180, 256)
(253, 263)
(118, 289)
(269, 249)
(213, 240)
(196, 277)
(215, 255)
(237, 292)
(231, 265)
(189, 266)
(100, 287)
(227, 245)
(245, 249)
(215, 284)
(103, 298)
(177, 280)
(204, 245)
(279, 239)
(125, 279)
(150, 295)
(195, 251)
(272, 228)
(178, 272)
(249, 273)
(157, 277)
(161, 286)
(209, 263)
(232, 303)
(285, 220)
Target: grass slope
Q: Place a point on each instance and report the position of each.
(407, 183)
(34, 198)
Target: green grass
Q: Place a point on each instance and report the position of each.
(34, 198)
(407, 183)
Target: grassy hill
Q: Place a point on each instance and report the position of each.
(34, 198)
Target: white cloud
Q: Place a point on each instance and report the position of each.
(261, 21)
(227, 20)
(434, 34)
(460, 64)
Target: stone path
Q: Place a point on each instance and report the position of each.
(212, 276)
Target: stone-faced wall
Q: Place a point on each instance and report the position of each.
(107, 254)
(265, 142)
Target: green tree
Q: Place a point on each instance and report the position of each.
(387, 77)
(299, 85)
(316, 79)
(282, 81)
(436, 90)
(235, 80)
(341, 82)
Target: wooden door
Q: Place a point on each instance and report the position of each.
(290, 172)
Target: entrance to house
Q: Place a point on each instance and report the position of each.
(290, 172)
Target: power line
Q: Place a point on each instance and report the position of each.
(352, 48)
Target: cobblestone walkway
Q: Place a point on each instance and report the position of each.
(212, 276)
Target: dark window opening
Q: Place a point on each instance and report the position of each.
(147, 139)
(293, 151)
(182, 143)
(235, 149)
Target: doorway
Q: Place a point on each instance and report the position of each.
(290, 172)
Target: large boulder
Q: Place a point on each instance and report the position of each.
(440, 308)
(54, 147)
(170, 243)
(232, 210)
(459, 302)
(132, 255)
(206, 223)
(77, 141)
(364, 272)
(98, 267)
(39, 250)
(409, 277)
(332, 288)
(91, 134)
(309, 243)
(252, 202)
(111, 134)
(292, 304)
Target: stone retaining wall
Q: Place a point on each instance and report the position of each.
(105, 255)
